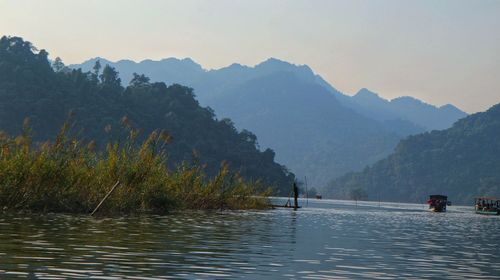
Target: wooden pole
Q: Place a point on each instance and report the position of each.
(288, 202)
(222, 197)
(307, 194)
(295, 196)
(106, 197)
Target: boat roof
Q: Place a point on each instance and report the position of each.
(439, 196)
(487, 198)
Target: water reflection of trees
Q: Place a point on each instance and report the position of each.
(152, 245)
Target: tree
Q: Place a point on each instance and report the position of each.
(58, 64)
(139, 80)
(97, 68)
(249, 137)
(109, 77)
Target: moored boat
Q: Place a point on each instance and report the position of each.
(487, 205)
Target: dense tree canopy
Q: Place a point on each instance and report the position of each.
(29, 87)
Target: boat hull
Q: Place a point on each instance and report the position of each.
(482, 212)
(437, 209)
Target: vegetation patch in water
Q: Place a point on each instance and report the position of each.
(71, 175)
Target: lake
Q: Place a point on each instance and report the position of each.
(327, 239)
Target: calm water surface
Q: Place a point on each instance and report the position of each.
(327, 240)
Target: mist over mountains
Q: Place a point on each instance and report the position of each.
(316, 130)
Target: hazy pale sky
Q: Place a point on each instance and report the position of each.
(438, 51)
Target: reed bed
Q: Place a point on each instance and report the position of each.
(70, 175)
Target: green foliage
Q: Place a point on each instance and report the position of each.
(139, 80)
(58, 64)
(69, 175)
(461, 162)
(109, 78)
(29, 87)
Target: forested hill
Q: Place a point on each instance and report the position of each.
(30, 87)
(461, 162)
(315, 130)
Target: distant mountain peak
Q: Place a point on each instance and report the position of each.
(169, 60)
(450, 108)
(89, 63)
(166, 59)
(125, 61)
(281, 64)
(186, 60)
(93, 60)
(237, 66)
(364, 92)
(274, 61)
(274, 64)
(235, 69)
(407, 99)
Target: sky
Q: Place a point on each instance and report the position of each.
(435, 50)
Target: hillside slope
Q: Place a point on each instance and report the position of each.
(306, 125)
(29, 87)
(461, 162)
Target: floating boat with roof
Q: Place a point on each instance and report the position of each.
(487, 205)
(438, 203)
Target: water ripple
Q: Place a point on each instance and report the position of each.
(329, 239)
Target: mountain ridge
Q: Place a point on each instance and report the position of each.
(269, 65)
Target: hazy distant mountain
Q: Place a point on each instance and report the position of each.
(407, 108)
(306, 125)
(169, 70)
(461, 162)
(208, 84)
(408, 113)
(315, 129)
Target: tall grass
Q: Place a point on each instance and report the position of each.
(69, 175)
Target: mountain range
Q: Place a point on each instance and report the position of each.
(315, 130)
